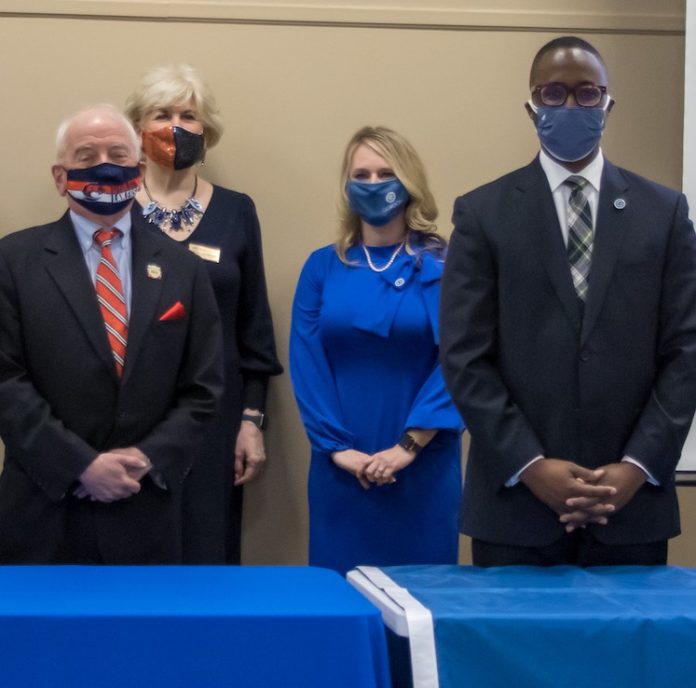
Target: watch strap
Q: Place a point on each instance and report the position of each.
(409, 443)
(258, 419)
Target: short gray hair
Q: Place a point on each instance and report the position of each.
(107, 108)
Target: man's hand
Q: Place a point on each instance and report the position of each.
(140, 472)
(355, 462)
(625, 477)
(584, 510)
(386, 463)
(107, 478)
(249, 453)
(557, 483)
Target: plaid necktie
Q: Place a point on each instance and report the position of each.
(579, 235)
(111, 299)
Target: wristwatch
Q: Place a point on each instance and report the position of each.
(258, 419)
(408, 443)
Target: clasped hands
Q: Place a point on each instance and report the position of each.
(113, 475)
(378, 469)
(579, 495)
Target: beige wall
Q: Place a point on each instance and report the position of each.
(294, 81)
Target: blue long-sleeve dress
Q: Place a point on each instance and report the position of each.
(364, 365)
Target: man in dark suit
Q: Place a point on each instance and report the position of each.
(110, 366)
(568, 329)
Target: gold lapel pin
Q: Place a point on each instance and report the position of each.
(154, 271)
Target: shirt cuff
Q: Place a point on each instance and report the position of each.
(254, 391)
(650, 477)
(511, 482)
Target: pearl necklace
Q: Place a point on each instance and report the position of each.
(389, 262)
(155, 214)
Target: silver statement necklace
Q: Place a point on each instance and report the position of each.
(174, 219)
(389, 262)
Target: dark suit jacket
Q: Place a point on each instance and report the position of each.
(61, 402)
(531, 374)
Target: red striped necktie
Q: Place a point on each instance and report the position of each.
(111, 298)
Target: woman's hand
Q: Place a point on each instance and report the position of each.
(249, 453)
(385, 464)
(354, 462)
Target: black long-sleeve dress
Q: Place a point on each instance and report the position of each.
(229, 240)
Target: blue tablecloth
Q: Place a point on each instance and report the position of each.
(561, 627)
(196, 627)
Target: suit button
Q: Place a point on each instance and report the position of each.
(121, 416)
(584, 355)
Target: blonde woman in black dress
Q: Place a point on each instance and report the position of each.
(176, 115)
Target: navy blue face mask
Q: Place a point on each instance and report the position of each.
(378, 203)
(104, 189)
(569, 134)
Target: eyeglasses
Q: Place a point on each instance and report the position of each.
(556, 94)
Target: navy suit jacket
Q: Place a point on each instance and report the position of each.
(532, 374)
(61, 402)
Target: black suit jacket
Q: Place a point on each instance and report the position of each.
(532, 374)
(61, 402)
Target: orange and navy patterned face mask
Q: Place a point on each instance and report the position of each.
(173, 147)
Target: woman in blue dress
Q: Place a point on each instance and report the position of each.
(385, 479)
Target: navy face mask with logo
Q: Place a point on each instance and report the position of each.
(104, 189)
(378, 203)
(569, 134)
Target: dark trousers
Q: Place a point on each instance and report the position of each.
(579, 548)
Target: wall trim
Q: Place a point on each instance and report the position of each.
(282, 13)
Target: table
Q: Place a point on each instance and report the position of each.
(193, 627)
(527, 627)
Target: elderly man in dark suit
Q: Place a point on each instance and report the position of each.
(569, 340)
(110, 366)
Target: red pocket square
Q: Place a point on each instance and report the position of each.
(176, 312)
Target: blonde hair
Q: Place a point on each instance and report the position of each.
(400, 155)
(175, 84)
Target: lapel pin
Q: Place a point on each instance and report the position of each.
(154, 271)
(619, 204)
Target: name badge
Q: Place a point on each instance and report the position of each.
(210, 253)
